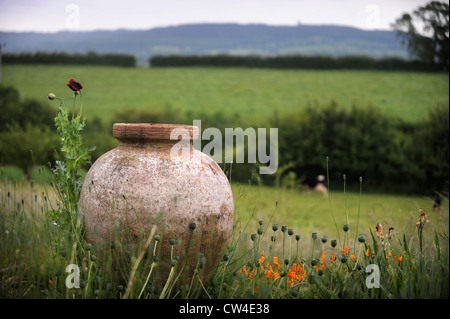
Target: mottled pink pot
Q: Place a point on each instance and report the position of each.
(140, 184)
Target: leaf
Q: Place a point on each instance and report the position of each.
(375, 244)
(406, 246)
(436, 244)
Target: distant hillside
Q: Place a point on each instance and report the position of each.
(213, 39)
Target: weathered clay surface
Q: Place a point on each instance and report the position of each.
(140, 184)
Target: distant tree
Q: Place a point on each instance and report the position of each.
(431, 44)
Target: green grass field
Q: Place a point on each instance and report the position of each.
(254, 94)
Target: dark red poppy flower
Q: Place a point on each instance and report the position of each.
(74, 85)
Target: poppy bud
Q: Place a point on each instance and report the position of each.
(314, 235)
(334, 243)
(274, 227)
(51, 96)
(361, 238)
(346, 227)
(324, 239)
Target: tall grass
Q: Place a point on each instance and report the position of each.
(264, 259)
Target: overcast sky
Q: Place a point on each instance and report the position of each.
(85, 15)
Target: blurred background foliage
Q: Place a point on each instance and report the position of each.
(390, 154)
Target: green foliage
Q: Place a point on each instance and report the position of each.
(430, 149)
(41, 174)
(11, 173)
(22, 146)
(291, 62)
(433, 19)
(364, 142)
(90, 58)
(68, 172)
(26, 134)
(21, 112)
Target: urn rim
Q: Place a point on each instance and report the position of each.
(154, 131)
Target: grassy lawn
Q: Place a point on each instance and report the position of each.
(252, 93)
(311, 212)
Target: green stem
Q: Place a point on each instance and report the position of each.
(312, 251)
(329, 200)
(359, 210)
(166, 286)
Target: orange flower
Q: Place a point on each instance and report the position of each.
(346, 250)
(367, 252)
(256, 289)
(352, 256)
(390, 254)
(332, 258)
(275, 261)
(400, 259)
(269, 272)
(276, 275)
(50, 281)
(395, 258)
(261, 260)
(323, 258)
(291, 274)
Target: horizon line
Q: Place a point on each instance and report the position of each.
(190, 24)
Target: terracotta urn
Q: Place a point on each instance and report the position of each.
(155, 177)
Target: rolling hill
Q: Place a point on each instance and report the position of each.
(191, 39)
